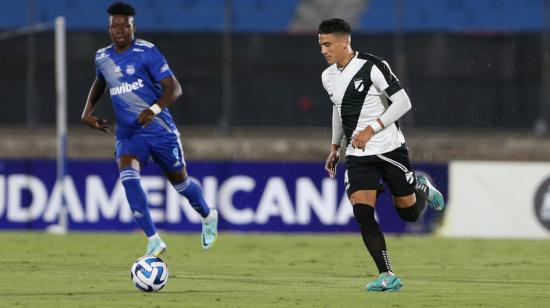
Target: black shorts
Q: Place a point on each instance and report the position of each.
(394, 167)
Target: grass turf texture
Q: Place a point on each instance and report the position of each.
(266, 270)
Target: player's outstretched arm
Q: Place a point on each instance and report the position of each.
(96, 92)
(171, 90)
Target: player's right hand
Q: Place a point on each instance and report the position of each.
(332, 161)
(95, 122)
(145, 117)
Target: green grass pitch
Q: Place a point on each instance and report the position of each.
(270, 270)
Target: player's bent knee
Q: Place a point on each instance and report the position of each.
(363, 197)
(404, 201)
(412, 212)
(128, 161)
(409, 214)
(177, 177)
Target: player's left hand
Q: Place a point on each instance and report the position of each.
(331, 162)
(145, 117)
(359, 140)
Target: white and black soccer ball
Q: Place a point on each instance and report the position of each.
(149, 273)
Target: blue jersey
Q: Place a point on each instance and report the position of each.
(133, 80)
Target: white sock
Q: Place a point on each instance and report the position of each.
(210, 216)
(154, 237)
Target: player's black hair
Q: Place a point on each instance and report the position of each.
(334, 25)
(121, 8)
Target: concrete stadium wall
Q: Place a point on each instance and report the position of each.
(275, 144)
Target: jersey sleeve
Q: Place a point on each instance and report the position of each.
(337, 128)
(157, 65)
(325, 83)
(383, 78)
(98, 73)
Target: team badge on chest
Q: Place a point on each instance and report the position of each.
(130, 70)
(359, 84)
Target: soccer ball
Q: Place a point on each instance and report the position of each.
(149, 273)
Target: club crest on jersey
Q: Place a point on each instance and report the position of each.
(130, 70)
(359, 84)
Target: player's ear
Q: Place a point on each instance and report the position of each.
(346, 41)
(133, 23)
(109, 24)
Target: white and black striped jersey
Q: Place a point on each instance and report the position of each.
(361, 93)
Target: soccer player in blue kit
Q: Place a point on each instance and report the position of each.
(141, 86)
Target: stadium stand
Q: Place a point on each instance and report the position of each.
(165, 15)
(449, 15)
(279, 15)
(310, 12)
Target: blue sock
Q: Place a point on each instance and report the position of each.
(192, 190)
(138, 200)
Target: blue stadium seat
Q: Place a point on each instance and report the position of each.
(13, 14)
(454, 15)
(263, 15)
(276, 15)
(190, 15)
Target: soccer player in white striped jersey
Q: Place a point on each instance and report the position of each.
(367, 101)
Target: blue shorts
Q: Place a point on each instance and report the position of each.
(164, 149)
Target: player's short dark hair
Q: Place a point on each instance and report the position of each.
(334, 25)
(121, 8)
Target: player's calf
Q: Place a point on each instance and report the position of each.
(137, 200)
(372, 236)
(192, 190)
